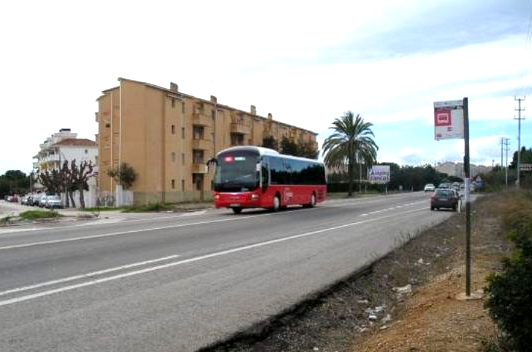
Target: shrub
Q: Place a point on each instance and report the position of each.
(39, 214)
(509, 299)
(124, 175)
(156, 207)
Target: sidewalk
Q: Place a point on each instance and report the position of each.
(8, 209)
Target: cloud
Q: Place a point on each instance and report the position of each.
(483, 151)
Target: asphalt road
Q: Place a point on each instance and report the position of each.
(178, 282)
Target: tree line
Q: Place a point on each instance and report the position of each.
(14, 182)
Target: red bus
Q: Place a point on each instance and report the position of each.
(256, 177)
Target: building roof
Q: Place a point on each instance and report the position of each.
(202, 100)
(77, 142)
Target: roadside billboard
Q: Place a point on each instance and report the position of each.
(449, 119)
(379, 174)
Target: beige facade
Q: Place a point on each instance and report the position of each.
(168, 136)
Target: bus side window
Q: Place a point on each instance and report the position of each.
(265, 176)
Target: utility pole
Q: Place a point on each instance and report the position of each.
(519, 109)
(505, 145)
(502, 144)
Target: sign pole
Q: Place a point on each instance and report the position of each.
(467, 198)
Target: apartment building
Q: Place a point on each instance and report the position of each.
(168, 136)
(64, 145)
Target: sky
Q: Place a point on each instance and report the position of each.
(306, 62)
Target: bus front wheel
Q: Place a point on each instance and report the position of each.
(237, 210)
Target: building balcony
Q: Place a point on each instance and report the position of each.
(199, 168)
(240, 128)
(51, 158)
(198, 118)
(201, 144)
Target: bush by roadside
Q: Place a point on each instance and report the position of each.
(510, 292)
(39, 214)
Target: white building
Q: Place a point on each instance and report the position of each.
(64, 145)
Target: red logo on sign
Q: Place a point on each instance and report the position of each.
(442, 117)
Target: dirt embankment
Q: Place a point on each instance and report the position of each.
(404, 302)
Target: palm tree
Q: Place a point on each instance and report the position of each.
(351, 142)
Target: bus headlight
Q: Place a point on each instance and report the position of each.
(217, 197)
(254, 197)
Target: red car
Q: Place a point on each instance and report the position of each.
(444, 198)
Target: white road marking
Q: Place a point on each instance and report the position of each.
(195, 259)
(112, 234)
(200, 212)
(88, 275)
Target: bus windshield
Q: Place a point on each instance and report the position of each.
(236, 171)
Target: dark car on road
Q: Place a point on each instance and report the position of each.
(444, 198)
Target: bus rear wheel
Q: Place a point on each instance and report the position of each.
(276, 204)
(312, 201)
(237, 210)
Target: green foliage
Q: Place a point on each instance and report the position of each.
(308, 150)
(526, 157)
(288, 147)
(53, 180)
(14, 182)
(351, 142)
(270, 142)
(509, 299)
(305, 149)
(39, 214)
(156, 207)
(124, 175)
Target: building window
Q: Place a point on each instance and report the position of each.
(197, 132)
(173, 184)
(183, 185)
(213, 113)
(183, 108)
(86, 151)
(183, 133)
(172, 156)
(173, 129)
(197, 156)
(173, 103)
(237, 139)
(182, 158)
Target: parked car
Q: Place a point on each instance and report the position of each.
(12, 199)
(24, 199)
(444, 198)
(42, 200)
(444, 186)
(429, 187)
(36, 198)
(54, 201)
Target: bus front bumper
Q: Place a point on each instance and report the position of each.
(237, 200)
